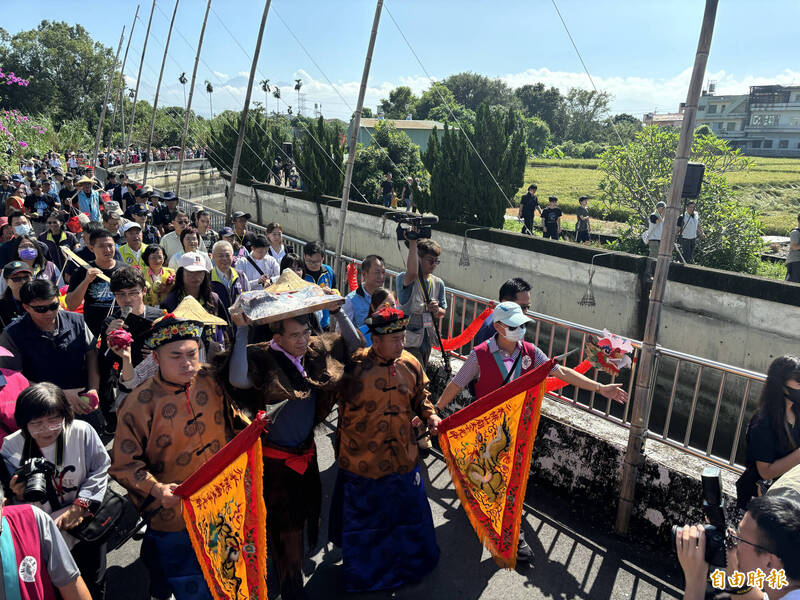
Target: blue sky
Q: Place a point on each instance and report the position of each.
(639, 50)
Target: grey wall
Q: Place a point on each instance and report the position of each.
(726, 327)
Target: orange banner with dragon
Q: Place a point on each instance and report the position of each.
(223, 507)
(488, 447)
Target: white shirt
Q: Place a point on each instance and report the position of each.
(268, 265)
(277, 255)
(171, 244)
(690, 222)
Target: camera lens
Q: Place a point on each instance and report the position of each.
(35, 488)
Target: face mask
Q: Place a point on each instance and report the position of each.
(793, 395)
(515, 335)
(23, 230)
(28, 253)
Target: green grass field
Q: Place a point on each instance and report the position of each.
(771, 186)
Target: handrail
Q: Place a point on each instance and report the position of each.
(692, 412)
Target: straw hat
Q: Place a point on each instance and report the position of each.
(289, 281)
(83, 180)
(191, 310)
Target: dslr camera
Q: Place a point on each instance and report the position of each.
(412, 226)
(36, 473)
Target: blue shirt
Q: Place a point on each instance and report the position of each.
(356, 306)
(325, 278)
(90, 205)
(486, 331)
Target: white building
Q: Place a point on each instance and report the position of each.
(765, 122)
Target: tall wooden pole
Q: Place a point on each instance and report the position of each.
(645, 378)
(122, 78)
(243, 125)
(127, 140)
(155, 99)
(105, 100)
(189, 103)
(351, 148)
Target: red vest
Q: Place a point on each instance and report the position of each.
(491, 378)
(34, 580)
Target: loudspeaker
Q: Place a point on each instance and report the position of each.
(693, 180)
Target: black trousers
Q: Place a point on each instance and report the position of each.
(91, 560)
(551, 232)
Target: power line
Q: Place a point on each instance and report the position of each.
(450, 110)
(594, 87)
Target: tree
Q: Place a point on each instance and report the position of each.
(209, 91)
(584, 110)
(67, 70)
(638, 175)
(366, 112)
(471, 90)
(537, 134)
(620, 129)
(399, 104)
(547, 104)
(438, 104)
(298, 83)
(461, 189)
(262, 139)
(392, 151)
(321, 160)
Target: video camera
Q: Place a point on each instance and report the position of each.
(36, 472)
(412, 226)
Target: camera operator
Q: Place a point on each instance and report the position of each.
(423, 258)
(60, 466)
(767, 539)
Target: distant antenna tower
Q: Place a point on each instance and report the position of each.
(712, 86)
(301, 108)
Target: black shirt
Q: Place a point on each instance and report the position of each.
(529, 204)
(386, 187)
(98, 298)
(763, 443)
(137, 327)
(551, 216)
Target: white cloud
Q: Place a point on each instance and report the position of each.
(219, 75)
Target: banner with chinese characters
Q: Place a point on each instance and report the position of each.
(488, 447)
(223, 507)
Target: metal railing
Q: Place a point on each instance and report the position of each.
(698, 406)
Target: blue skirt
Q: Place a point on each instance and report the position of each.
(385, 530)
(170, 554)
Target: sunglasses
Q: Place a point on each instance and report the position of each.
(509, 328)
(46, 308)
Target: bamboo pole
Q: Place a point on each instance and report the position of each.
(122, 77)
(351, 148)
(189, 103)
(155, 99)
(105, 100)
(126, 141)
(243, 125)
(645, 378)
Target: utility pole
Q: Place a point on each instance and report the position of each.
(351, 148)
(122, 78)
(645, 377)
(155, 100)
(189, 103)
(243, 123)
(105, 100)
(126, 141)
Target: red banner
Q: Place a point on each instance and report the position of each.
(488, 447)
(465, 337)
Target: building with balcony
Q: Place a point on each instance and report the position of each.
(765, 122)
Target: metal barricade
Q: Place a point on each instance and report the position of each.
(699, 406)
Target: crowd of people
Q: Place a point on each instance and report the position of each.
(87, 267)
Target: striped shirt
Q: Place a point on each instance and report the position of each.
(471, 372)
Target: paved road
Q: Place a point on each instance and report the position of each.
(574, 558)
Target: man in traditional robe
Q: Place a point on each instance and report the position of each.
(380, 515)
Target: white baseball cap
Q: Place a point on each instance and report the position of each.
(130, 225)
(192, 261)
(510, 313)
